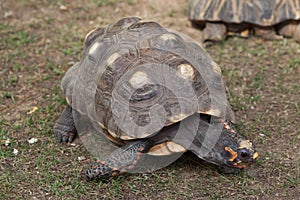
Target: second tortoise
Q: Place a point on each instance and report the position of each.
(270, 19)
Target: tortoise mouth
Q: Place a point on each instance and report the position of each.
(233, 167)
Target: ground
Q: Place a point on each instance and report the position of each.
(40, 40)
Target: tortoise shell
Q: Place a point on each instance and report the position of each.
(259, 12)
(136, 77)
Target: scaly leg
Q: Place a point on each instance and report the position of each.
(119, 161)
(291, 29)
(267, 33)
(64, 129)
(214, 32)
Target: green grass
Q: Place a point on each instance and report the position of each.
(17, 39)
(106, 2)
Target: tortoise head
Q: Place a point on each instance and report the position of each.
(232, 152)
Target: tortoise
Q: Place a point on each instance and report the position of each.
(270, 19)
(153, 92)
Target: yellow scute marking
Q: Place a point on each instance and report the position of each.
(167, 37)
(112, 58)
(176, 148)
(216, 67)
(160, 149)
(166, 148)
(214, 112)
(139, 79)
(186, 70)
(126, 137)
(94, 48)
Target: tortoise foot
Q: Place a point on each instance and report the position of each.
(62, 136)
(64, 129)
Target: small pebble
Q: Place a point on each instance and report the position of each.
(32, 140)
(15, 151)
(63, 8)
(8, 14)
(7, 142)
(81, 158)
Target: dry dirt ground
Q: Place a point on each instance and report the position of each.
(40, 40)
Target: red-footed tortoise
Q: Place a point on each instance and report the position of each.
(270, 19)
(153, 92)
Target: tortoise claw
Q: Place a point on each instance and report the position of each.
(64, 136)
(68, 137)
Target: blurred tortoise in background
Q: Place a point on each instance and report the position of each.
(270, 19)
(153, 92)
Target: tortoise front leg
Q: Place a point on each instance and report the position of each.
(119, 161)
(214, 32)
(64, 129)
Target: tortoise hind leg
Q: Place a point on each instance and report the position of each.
(64, 129)
(290, 29)
(267, 33)
(119, 161)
